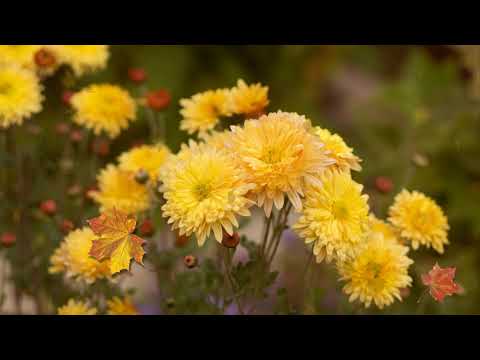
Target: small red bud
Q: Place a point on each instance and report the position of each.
(62, 128)
(190, 261)
(44, 58)
(101, 147)
(181, 241)
(137, 143)
(49, 207)
(147, 229)
(158, 100)
(76, 136)
(230, 241)
(137, 75)
(67, 226)
(384, 184)
(67, 96)
(8, 239)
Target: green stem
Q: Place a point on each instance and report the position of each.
(227, 261)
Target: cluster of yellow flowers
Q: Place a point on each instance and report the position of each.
(278, 158)
(23, 66)
(115, 306)
(203, 111)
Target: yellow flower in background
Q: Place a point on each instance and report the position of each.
(281, 157)
(343, 155)
(202, 112)
(377, 273)
(334, 217)
(386, 229)
(117, 306)
(21, 55)
(72, 258)
(20, 95)
(104, 108)
(82, 58)
(250, 100)
(118, 189)
(76, 308)
(204, 192)
(220, 140)
(419, 220)
(149, 158)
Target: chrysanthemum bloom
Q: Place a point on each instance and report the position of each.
(21, 55)
(419, 220)
(117, 306)
(72, 257)
(220, 140)
(281, 157)
(204, 191)
(250, 100)
(334, 217)
(386, 229)
(338, 149)
(118, 189)
(76, 308)
(149, 158)
(377, 273)
(20, 95)
(203, 111)
(104, 107)
(82, 58)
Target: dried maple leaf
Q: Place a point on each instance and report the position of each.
(441, 282)
(115, 240)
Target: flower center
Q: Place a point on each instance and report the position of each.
(270, 156)
(340, 210)
(202, 191)
(5, 88)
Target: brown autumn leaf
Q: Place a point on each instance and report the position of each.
(115, 240)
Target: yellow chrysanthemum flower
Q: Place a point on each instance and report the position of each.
(117, 306)
(249, 100)
(21, 55)
(419, 220)
(281, 156)
(104, 107)
(82, 58)
(343, 155)
(220, 140)
(76, 308)
(72, 258)
(204, 191)
(118, 189)
(386, 229)
(20, 95)
(149, 158)
(377, 273)
(334, 217)
(203, 111)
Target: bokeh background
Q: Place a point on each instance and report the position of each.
(410, 112)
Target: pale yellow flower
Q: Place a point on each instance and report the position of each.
(250, 100)
(82, 58)
(117, 306)
(76, 308)
(149, 158)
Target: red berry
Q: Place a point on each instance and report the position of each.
(101, 147)
(67, 226)
(158, 100)
(147, 229)
(49, 207)
(384, 184)
(8, 239)
(137, 75)
(67, 96)
(44, 58)
(181, 241)
(190, 261)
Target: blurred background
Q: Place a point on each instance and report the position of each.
(410, 112)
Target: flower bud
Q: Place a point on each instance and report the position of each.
(420, 160)
(230, 241)
(48, 207)
(76, 136)
(66, 226)
(137, 75)
(62, 128)
(384, 184)
(190, 261)
(158, 100)
(181, 241)
(44, 58)
(74, 190)
(101, 147)
(8, 239)
(141, 176)
(147, 229)
(67, 96)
